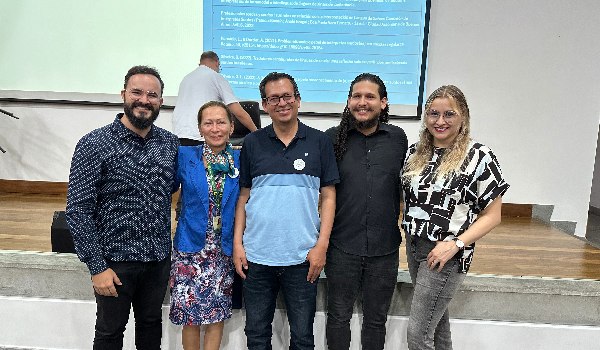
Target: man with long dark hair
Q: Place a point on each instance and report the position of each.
(363, 251)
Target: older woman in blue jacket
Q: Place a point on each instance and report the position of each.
(202, 270)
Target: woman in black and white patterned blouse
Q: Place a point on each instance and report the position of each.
(453, 191)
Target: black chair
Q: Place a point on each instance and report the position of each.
(60, 235)
(239, 130)
(62, 242)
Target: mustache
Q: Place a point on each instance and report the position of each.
(141, 104)
(356, 109)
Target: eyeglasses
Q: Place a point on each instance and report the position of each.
(274, 100)
(448, 115)
(138, 93)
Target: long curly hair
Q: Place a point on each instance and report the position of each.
(348, 122)
(454, 155)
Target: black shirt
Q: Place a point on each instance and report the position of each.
(369, 193)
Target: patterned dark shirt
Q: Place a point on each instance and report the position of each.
(119, 197)
(441, 209)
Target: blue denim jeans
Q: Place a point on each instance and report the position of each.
(144, 287)
(348, 276)
(429, 322)
(261, 287)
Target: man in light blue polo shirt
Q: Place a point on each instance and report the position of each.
(280, 242)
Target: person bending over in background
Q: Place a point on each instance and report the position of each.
(202, 85)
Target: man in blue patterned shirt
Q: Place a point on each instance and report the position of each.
(119, 212)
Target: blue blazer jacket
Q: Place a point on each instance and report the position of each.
(190, 236)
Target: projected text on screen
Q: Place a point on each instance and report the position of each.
(324, 45)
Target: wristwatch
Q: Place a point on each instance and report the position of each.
(460, 244)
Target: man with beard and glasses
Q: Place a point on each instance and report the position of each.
(119, 212)
(362, 259)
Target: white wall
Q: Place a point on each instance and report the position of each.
(529, 71)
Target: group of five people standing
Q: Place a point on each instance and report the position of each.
(295, 200)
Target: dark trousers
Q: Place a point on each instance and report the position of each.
(144, 287)
(348, 276)
(261, 287)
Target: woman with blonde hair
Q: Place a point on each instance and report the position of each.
(453, 191)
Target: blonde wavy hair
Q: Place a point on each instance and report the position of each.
(454, 155)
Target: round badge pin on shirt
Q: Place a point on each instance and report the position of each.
(299, 164)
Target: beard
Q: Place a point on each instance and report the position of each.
(144, 120)
(366, 124)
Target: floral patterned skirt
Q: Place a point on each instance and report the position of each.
(200, 286)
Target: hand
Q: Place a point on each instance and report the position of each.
(239, 260)
(440, 254)
(316, 257)
(104, 283)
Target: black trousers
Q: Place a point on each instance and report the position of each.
(144, 287)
